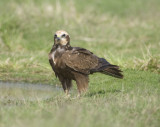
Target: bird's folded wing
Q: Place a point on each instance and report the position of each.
(80, 60)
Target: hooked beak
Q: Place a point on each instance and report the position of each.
(58, 38)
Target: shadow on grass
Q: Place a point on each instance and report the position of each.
(102, 92)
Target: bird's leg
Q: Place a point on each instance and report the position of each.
(82, 87)
(67, 93)
(66, 90)
(81, 92)
(78, 95)
(67, 84)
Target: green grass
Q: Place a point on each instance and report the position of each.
(133, 101)
(124, 32)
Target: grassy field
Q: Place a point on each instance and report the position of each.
(126, 33)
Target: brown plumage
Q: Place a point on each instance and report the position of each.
(74, 63)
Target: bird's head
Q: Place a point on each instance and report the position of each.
(62, 38)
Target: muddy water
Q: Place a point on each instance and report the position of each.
(24, 91)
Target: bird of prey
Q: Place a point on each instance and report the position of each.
(75, 63)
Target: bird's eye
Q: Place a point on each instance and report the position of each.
(55, 35)
(63, 35)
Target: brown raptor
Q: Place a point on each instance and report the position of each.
(74, 63)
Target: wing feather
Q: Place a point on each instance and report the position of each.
(80, 60)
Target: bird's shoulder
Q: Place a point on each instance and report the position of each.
(81, 50)
(77, 52)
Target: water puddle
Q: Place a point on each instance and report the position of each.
(24, 91)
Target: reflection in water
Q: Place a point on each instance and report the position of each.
(24, 91)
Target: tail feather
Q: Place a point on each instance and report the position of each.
(106, 68)
(112, 70)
